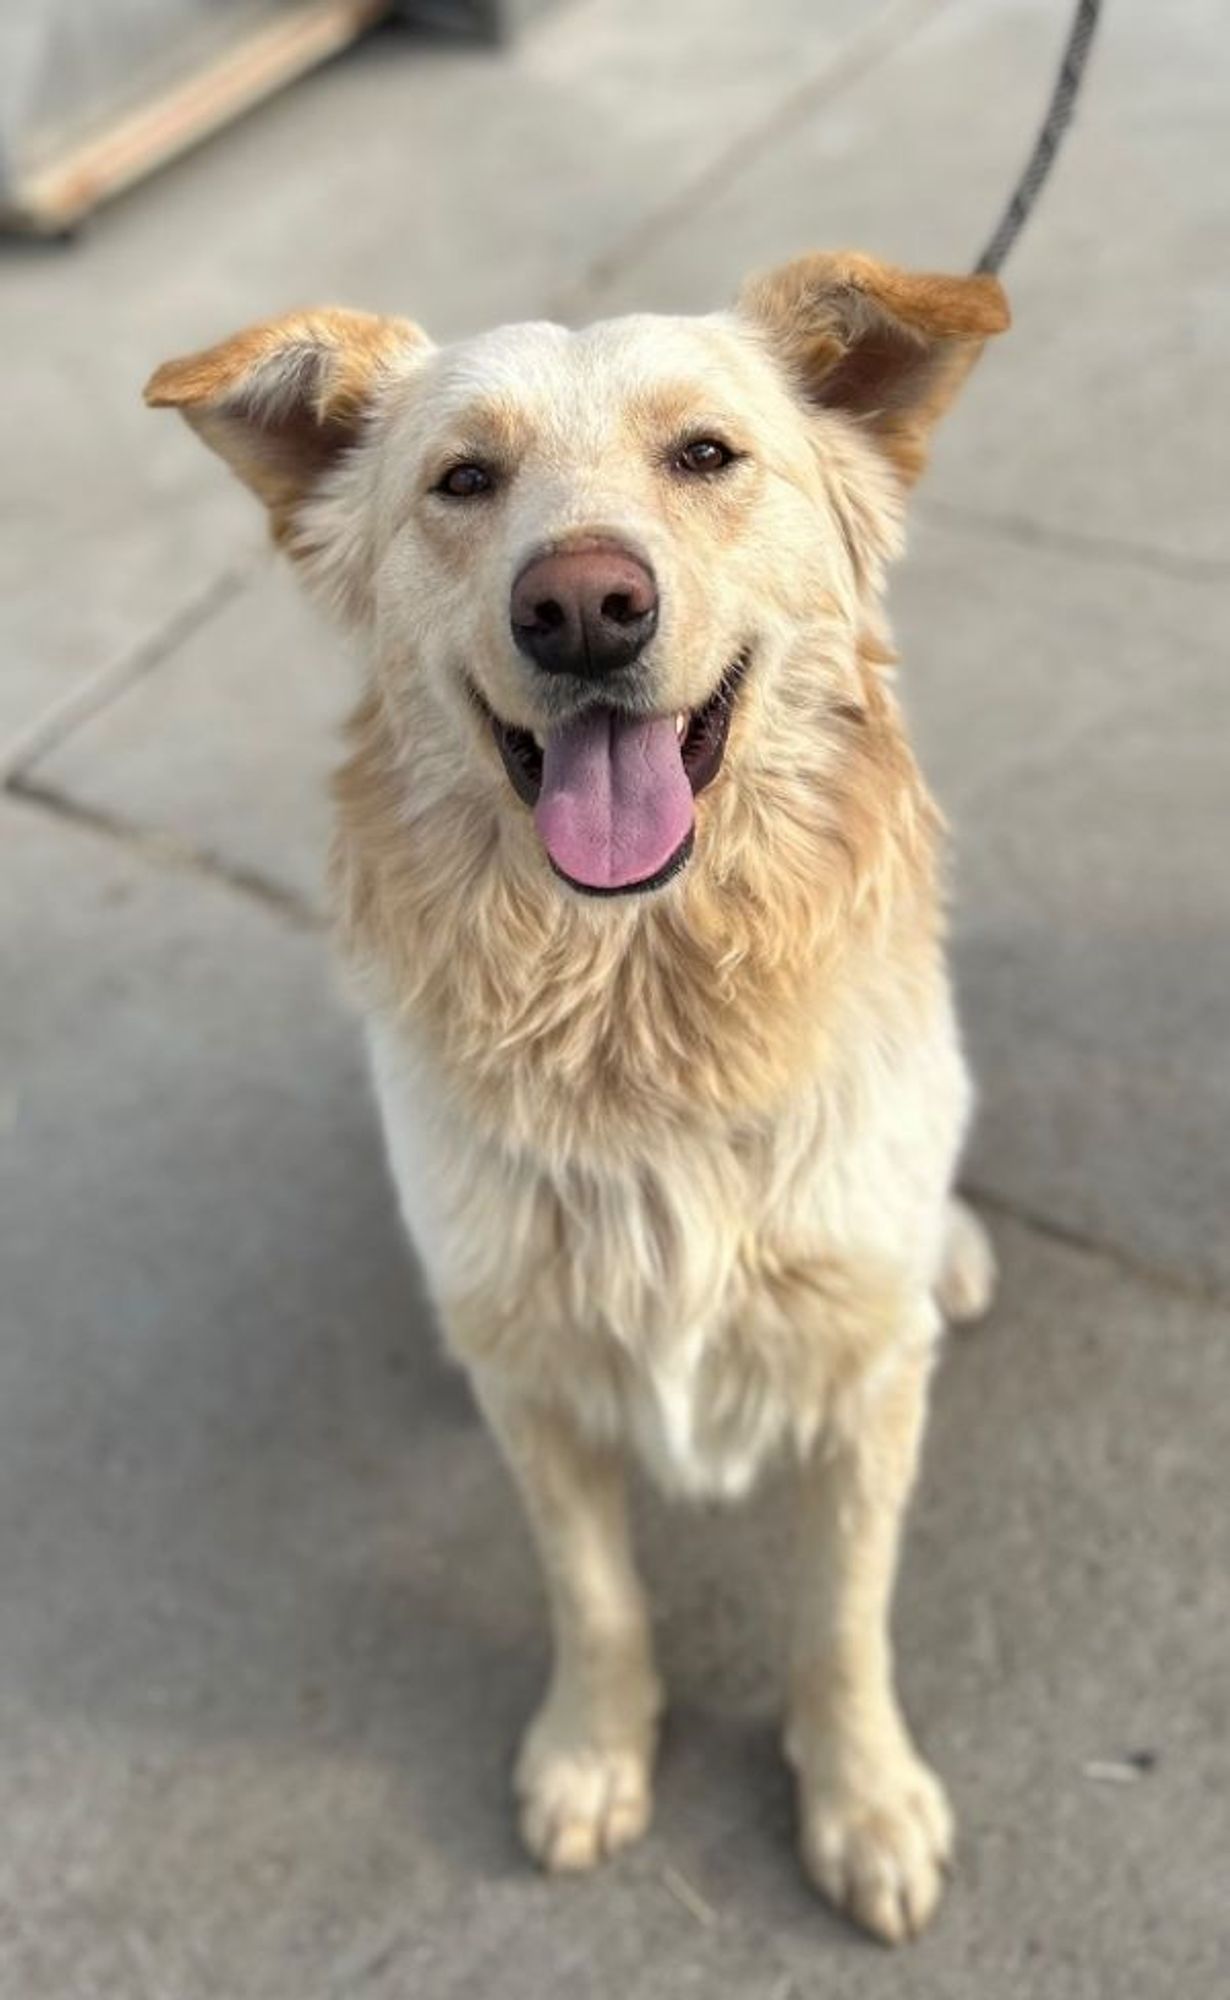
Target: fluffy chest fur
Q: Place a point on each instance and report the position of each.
(713, 1302)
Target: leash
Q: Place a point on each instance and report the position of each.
(1049, 139)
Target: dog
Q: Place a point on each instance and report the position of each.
(637, 880)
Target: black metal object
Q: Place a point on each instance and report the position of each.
(481, 20)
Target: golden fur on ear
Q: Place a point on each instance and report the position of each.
(280, 401)
(887, 346)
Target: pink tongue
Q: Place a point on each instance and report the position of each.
(615, 804)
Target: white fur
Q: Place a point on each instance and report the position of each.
(862, 1171)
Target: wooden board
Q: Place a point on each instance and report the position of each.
(52, 197)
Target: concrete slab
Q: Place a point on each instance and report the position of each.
(1073, 719)
(456, 184)
(269, 1618)
(1088, 416)
(228, 746)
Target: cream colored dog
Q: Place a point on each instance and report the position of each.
(638, 879)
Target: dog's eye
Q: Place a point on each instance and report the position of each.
(465, 482)
(703, 455)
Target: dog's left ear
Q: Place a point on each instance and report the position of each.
(887, 346)
(282, 401)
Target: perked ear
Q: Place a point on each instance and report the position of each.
(282, 401)
(887, 346)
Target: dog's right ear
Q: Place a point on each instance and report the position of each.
(889, 348)
(282, 401)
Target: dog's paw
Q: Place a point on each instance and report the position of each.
(969, 1273)
(582, 1799)
(879, 1852)
(579, 1808)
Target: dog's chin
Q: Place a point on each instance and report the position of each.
(700, 737)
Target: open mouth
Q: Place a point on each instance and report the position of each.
(612, 793)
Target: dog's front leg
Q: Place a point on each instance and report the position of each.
(584, 1774)
(875, 1827)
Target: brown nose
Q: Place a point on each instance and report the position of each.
(586, 611)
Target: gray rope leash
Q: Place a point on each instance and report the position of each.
(1047, 144)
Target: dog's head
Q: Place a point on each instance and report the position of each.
(612, 563)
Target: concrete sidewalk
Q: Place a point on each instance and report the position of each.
(267, 1619)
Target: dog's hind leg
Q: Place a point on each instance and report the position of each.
(584, 1774)
(968, 1272)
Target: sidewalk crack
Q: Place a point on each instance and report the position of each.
(857, 56)
(89, 697)
(1080, 544)
(1159, 1277)
(167, 850)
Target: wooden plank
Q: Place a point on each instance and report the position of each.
(51, 198)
